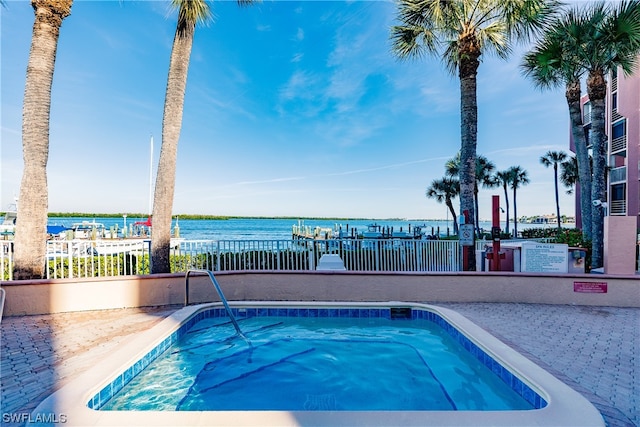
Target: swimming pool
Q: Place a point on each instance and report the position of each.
(547, 401)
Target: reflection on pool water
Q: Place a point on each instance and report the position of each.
(317, 360)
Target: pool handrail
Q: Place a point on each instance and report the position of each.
(2, 298)
(220, 294)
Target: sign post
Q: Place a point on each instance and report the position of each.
(495, 255)
(466, 238)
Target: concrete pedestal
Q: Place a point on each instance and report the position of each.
(620, 244)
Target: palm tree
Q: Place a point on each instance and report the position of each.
(555, 158)
(517, 178)
(552, 63)
(611, 35)
(460, 31)
(569, 173)
(503, 179)
(483, 170)
(190, 12)
(444, 190)
(31, 226)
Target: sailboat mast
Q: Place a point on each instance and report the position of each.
(151, 178)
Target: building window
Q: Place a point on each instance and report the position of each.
(617, 130)
(586, 113)
(618, 192)
(587, 130)
(614, 101)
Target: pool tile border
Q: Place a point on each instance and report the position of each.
(516, 384)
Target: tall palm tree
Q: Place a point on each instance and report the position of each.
(31, 226)
(190, 13)
(555, 158)
(444, 190)
(611, 35)
(503, 179)
(553, 63)
(518, 178)
(460, 32)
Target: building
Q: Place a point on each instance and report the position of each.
(623, 144)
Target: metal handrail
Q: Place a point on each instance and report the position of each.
(220, 294)
(2, 298)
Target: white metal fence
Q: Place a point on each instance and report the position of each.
(83, 258)
(79, 258)
(295, 255)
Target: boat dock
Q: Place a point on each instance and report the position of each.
(373, 231)
(306, 232)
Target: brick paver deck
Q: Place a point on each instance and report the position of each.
(593, 349)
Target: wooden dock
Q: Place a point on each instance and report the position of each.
(374, 231)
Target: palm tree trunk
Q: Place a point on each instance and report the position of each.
(573, 93)
(468, 69)
(506, 200)
(515, 215)
(453, 215)
(555, 174)
(31, 224)
(171, 125)
(596, 88)
(476, 209)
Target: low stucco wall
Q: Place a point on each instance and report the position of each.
(65, 295)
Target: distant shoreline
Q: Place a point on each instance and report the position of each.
(224, 217)
(294, 218)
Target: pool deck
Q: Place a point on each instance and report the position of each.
(595, 350)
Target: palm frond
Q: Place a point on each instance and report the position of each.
(411, 41)
(449, 25)
(493, 38)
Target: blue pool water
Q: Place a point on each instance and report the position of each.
(318, 359)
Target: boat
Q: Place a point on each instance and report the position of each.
(94, 238)
(376, 231)
(8, 226)
(89, 230)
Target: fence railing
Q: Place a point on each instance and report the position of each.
(85, 258)
(104, 258)
(79, 258)
(300, 255)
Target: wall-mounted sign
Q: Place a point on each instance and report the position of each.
(590, 287)
(466, 234)
(545, 257)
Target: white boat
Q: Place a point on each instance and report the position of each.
(8, 226)
(89, 230)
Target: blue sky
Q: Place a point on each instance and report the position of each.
(292, 108)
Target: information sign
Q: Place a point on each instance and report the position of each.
(590, 287)
(545, 257)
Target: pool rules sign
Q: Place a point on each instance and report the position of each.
(545, 257)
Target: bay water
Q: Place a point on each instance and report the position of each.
(277, 228)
